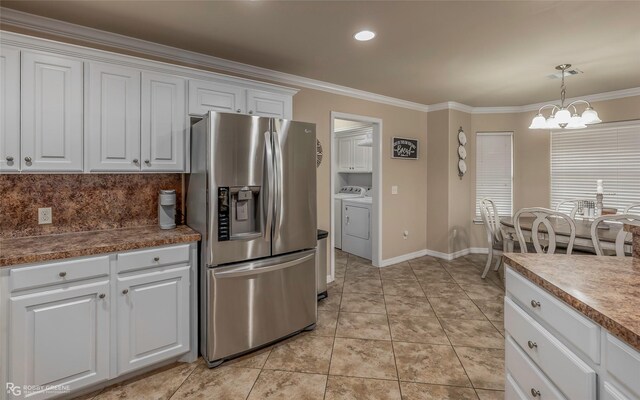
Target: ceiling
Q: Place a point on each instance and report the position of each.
(479, 53)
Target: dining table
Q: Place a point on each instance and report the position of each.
(607, 233)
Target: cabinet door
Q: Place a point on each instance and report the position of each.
(164, 122)
(9, 109)
(345, 154)
(210, 96)
(153, 317)
(113, 121)
(269, 104)
(60, 337)
(52, 113)
(361, 155)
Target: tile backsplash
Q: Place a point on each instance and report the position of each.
(82, 202)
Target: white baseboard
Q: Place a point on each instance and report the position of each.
(478, 250)
(404, 257)
(433, 253)
(459, 253)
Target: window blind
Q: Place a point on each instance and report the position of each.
(610, 152)
(494, 170)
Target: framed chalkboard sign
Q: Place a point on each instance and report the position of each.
(404, 148)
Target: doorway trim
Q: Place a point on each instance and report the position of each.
(376, 235)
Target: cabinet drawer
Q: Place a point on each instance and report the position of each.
(568, 372)
(623, 363)
(59, 272)
(555, 313)
(527, 376)
(512, 391)
(153, 257)
(610, 392)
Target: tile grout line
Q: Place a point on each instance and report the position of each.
(185, 379)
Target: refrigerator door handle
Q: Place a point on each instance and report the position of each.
(278, 183)
(270, 183)
(251, 269)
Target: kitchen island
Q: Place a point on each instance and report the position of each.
(572, 327)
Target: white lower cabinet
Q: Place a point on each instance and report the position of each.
(60, 337)
(153, 317)
(62, 315)
(554, 352)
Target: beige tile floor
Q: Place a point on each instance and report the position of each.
(422, 329)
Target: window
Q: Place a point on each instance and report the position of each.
(610, 152)
(494, 170)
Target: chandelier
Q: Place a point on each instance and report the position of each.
(565, 117)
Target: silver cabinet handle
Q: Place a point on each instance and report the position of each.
(535, 303)
(156, 259)
(238, 110)
(125, 291)
(535, 393)
(135, 160)
(9, 158)
(27, 159)
(147, 162)
(62, 274)
(532, 344)
(102, 295)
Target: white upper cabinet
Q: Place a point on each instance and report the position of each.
(66, 108)
(362, 155)
(207, 96)
(164, 123)
(113, 118)
(52, 113)
(345, 154)
(351, 156)
(268, 104)
(9, 109)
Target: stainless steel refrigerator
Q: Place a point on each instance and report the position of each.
(252, 195)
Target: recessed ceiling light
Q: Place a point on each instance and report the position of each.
(363, 36)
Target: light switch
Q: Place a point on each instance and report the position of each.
(394, 190)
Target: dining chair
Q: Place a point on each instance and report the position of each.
(576, 205)
(621, 237)
(543, 216)
(495, 242)
(628, 209)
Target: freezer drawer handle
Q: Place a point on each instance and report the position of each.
(254, 271)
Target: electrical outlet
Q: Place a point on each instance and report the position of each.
(45, 216)
(394, 190)
(405, 234)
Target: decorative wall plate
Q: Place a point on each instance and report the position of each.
(462, 138)
(462, 152)
(462, 167)
(319, 153)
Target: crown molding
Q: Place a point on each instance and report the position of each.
(450, 105)
(116, 41)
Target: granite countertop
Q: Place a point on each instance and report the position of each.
(604, 289)
(66, 245)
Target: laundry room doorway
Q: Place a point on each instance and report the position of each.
(356, 189)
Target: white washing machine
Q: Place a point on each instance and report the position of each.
(346, 192)
(356, 226)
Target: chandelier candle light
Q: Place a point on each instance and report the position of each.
(565, 117)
